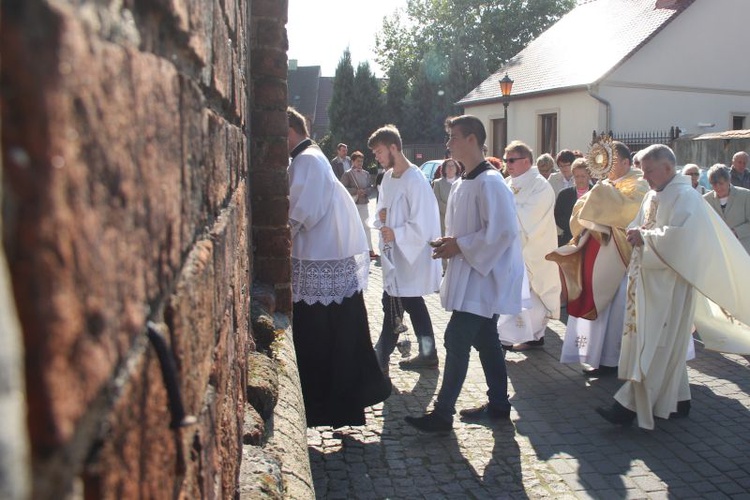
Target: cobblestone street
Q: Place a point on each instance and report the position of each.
(555, 447)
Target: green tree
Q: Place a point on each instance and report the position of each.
(397, 91)
(452, 46)
(367, 105)
(341, 116)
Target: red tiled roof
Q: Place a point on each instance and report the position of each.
(582, 47)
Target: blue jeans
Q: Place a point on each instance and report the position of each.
(464, 331)
(420, 320)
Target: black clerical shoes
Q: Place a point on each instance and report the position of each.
(683, 410)
(526, 346)
(617, 414)
(602, 371)
(430, 422)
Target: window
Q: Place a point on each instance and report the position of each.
(738, 122)
(499, 141)
(548, 134)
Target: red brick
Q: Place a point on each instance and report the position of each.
(270, 34)
(270, 62)
(138, 458)
(273, 270)
(190, 315)
(270, 123)
(271, 92)
(276, 9)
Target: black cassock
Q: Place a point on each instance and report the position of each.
(338, 369)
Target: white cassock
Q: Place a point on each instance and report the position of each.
(688, 256)
(535, 207)
(485, 278)
(412, 212)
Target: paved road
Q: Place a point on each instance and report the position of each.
(556, 446)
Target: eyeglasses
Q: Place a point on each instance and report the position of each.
(512, 160)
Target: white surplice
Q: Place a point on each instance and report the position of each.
(485, 278)
(664, 282)
(535, 207)
(412, 213)
(330, 256)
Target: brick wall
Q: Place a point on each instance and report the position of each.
(127, 195)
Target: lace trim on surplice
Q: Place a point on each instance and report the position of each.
(328, 281)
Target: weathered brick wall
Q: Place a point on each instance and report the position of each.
(270, 202)
(127, 198)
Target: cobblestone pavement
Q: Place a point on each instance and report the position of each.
(555, 447)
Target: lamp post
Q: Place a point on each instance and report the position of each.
(506, 86)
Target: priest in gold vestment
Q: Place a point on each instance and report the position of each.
(594, 265)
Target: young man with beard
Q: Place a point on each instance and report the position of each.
(408, 218)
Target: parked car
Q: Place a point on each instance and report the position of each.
(429, 168)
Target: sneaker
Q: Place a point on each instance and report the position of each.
(484, 412)
(419, 361)
(616, 414)
(430, 422)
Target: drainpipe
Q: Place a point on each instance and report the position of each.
(608, 124)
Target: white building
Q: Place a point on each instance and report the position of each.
(628, 66)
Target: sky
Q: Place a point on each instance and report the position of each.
(320, 30)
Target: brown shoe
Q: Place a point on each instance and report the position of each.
(419, 361)
(484, 412)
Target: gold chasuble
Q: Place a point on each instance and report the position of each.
(594, 262)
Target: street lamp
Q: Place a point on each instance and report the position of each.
(506, 86)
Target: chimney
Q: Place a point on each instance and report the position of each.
(292, 65)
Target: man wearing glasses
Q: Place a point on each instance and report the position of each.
(692, 171)
(740, 174)
(535, 207)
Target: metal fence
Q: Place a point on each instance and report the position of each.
(639, 140)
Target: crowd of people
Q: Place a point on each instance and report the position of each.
(508, 243)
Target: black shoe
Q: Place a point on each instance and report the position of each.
(602, 371)
(484, 412)
(430, 422)
(531, 344)
(683, 410)
(418, 362)
(617, 414)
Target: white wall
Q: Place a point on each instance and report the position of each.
(577, 116)
(694, 71)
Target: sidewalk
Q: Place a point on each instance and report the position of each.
(556, 446)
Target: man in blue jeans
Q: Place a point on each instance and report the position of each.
(483, 278)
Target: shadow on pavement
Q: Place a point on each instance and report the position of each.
(555, 405)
